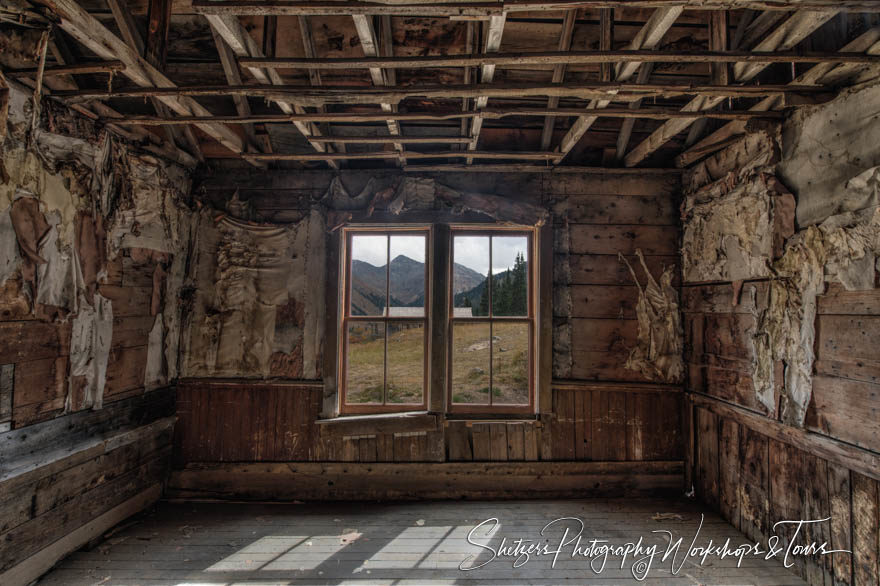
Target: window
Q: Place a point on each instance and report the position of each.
(488, 341)
(385, 321)
(492, 326)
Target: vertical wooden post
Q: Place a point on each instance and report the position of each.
(439, 317)
(159, 20)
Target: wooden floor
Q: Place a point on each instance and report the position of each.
(398, 543)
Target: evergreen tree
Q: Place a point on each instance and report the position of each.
(519, 287)
(484, 300)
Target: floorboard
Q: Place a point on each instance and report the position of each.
(405, 544)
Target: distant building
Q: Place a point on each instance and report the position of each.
(420, 311)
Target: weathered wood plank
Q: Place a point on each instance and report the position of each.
(309, 481)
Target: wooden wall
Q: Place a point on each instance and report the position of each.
(757, 471)
(68, 474)
(275, 422)
(599, 411)
(65, 481)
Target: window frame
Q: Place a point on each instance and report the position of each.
(348, 232)
(483, 230)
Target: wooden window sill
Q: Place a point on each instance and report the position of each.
(412, 421)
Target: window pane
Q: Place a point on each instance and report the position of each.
(365, 371)
(407, 276)
(510, 284)
(406, 362)
(369, 260)
(510, 363)
(470, 363)
(471, 255)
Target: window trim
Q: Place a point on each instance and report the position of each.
(348, 232)
(463, 409)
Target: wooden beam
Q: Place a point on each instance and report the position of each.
(648, 37)
(128, 29)
(524, 155)
(148, 141)
(87, 30)
(791, 32)
(370, 44)
(606, 41)
(494, 32)
(428, 8)
(622, 92)
(868, 42)
(493, 113)
(558, 58)
(233, 77)
(847, 455)
(423, 480)
(305, 29)
(395, 139)
(81, 69)
(158, 24)
(565, 37)
(243, 45)
(719, 73)
(629, 123)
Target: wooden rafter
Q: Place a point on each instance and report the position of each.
(494, 32)
(492, 113)
(305, 29)
(243, 45)
(128, 29)
(557, 58)
(370, 44)
(791, 32)
(428, 8)
(565, 36)
(87, 30)
(868, 42)
(647, 38)
(98, 110)
(80, 69)
(233, 77)
(524, 155)
(308, 95)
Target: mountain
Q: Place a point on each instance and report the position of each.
(407, 284)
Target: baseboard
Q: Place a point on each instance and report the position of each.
(428, 480)
(43, 561)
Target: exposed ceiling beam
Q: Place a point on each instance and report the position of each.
(158, 25)
(370, 44)
(127, 27)
(524, 155)
(305, 30)
(868, 42)
(494, 32)
(565, 36)
(87, 30)
(622, 92)
(233, 77)
(81, 69)
(243, 45)
(146, 140)
(491, 113)
(398, 139)
(791, 32)
(648, 37)
(429, 8)
(557, 58)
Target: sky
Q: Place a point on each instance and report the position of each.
(470, 251)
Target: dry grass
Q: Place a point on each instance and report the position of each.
(470, 372)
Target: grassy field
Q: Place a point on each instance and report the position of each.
(470, 371)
